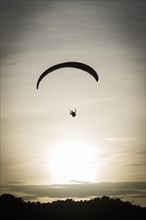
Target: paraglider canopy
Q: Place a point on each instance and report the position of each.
(77, 65)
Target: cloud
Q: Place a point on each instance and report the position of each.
(80, 190)
(79, 182)
(14, 182)
(142, 152)
(136, 164)
(118, 139)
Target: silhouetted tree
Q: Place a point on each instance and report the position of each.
(98, 208)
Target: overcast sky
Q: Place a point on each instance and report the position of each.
(40, 142)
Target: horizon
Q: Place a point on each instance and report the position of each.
(133, 192)
(41, 143)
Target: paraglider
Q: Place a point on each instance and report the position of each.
(76, 65)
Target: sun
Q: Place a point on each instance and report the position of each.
(72, 162)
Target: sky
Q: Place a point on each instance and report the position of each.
(45, 153)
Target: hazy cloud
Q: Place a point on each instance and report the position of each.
(118, 139)
(14, 182)
(80, 190)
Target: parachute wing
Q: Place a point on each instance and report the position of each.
(77, 65)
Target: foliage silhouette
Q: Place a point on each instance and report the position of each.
(98, 208)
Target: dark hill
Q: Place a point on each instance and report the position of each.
(98, 208)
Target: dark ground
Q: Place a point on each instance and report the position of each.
(98, 208)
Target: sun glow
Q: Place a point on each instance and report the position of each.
(72, 162)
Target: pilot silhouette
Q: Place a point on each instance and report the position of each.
(73, 113)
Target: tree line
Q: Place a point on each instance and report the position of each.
(98, 208)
